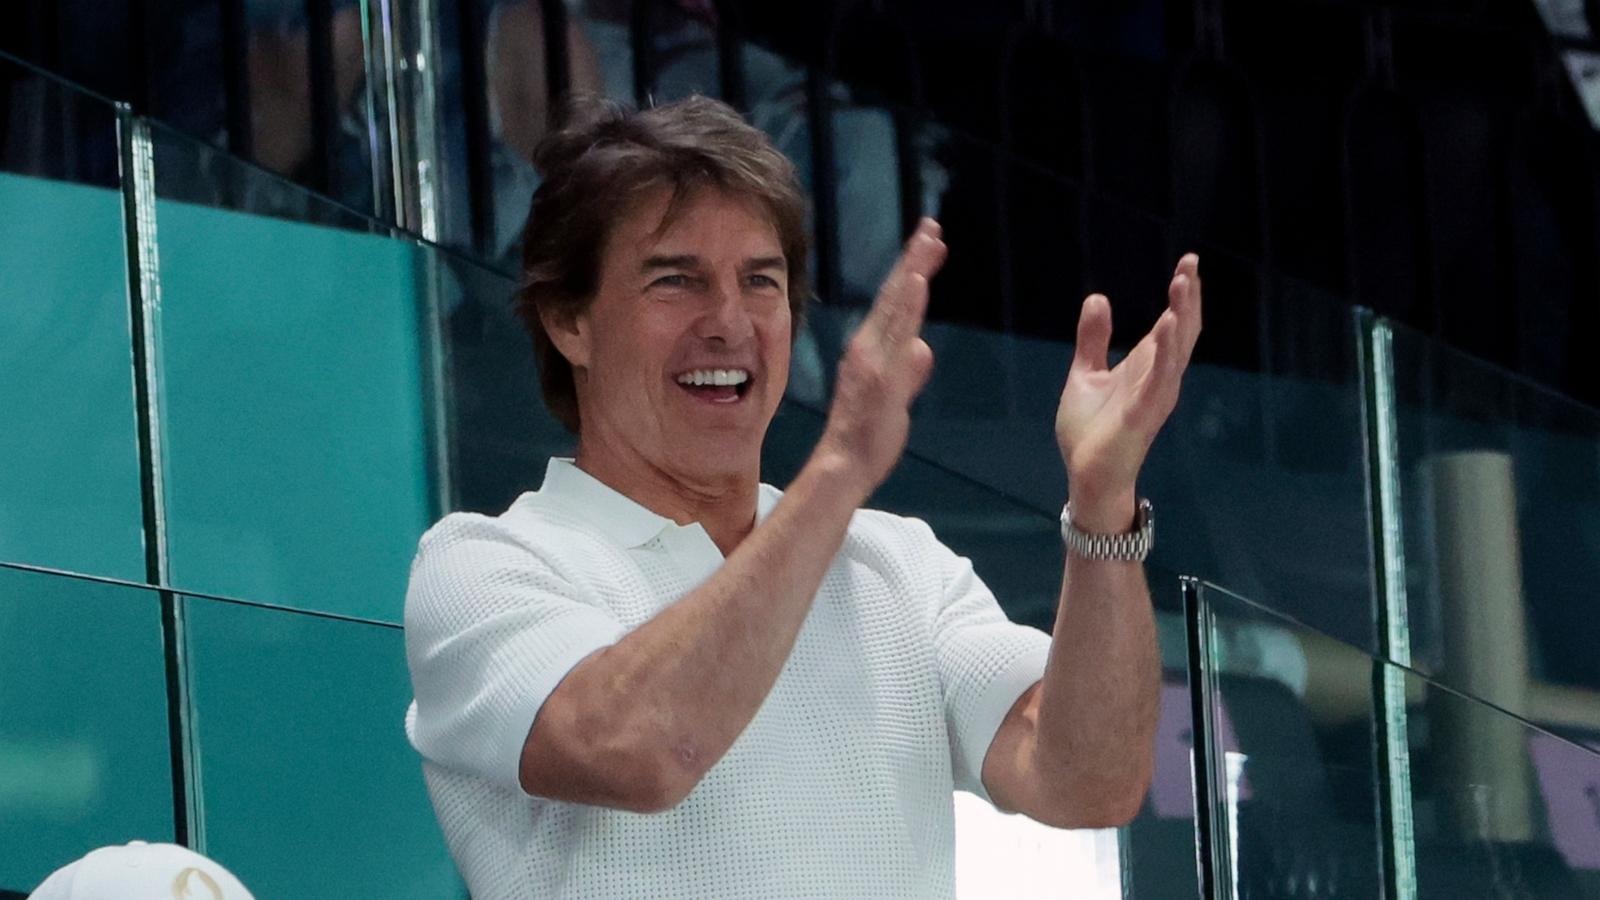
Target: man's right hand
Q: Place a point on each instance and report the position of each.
(884, 366)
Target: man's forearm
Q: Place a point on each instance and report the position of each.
(669, 699)
(1100, 692)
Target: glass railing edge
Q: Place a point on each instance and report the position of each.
(196, 595)
(1267, 612)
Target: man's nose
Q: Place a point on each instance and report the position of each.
(726, 317)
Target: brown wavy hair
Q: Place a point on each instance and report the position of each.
(598, 165)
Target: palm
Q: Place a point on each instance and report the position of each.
(1109, 416)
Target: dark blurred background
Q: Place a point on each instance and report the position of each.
(1431, 160)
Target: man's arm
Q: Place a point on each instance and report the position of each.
(1077, 749)
(636, 725)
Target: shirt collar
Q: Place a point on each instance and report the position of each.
(629, 523)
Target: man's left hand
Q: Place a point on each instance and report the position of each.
(1109, 417)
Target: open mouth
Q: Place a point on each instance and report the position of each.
(716, 385)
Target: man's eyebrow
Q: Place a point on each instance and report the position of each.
(681, 261)
(757, 263)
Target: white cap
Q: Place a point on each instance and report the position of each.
(141, 871)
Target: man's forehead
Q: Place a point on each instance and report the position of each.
(670, 223)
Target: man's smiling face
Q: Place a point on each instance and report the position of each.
(682, 357)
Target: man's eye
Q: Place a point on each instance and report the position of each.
(672, 281)
(764, 281)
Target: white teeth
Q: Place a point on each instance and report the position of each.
(714, 377)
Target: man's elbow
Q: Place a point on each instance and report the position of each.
(615, 774)
(657, 786)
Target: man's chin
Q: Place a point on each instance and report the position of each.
(720, 456)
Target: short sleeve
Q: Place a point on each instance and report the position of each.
(491, 630)
(985, 663)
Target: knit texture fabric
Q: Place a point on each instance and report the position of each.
(840, 787)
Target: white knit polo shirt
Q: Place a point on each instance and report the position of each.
(840, 787)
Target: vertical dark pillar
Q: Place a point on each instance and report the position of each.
(235, 42)
(475, 114)
(324, 102)
(824, 186)
(557, 60)
(730, 58)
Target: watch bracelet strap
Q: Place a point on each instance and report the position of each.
(1129, 546)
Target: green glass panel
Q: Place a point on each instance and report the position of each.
(84, 751)
(69, 488)
(309, 786)
(299, 460)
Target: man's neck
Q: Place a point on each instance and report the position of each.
(725, 507)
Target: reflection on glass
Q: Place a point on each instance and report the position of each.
(1504, 809)
(520, 115)
(298, 456)
(1258, 478)
(500, 432)
(284, 101)
(1158, 847)
(84, 752)
(1500, 486)
(1500, 807)
(309, 786)
(1292, 775)
(69, 488)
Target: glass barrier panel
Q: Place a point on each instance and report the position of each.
(520, 115)
(309, 786)
(1293, 778)
(1259, 476)
(1499, 806)
(297, 365)
(500, 431)
(288, 89)
(1504, 808)
(1500, 500)
(85, 757)
(69, 489)
(1158, 846)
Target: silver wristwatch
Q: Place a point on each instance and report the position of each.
(1130, 546)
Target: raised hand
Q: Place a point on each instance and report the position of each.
(1109, 417)
(884, 367)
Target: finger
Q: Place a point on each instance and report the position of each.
(1188, 306)
(910, 311)
(1094, 334)
(1180, 304)
(1158, 389)
(924, 254)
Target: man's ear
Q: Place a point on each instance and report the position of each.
(569, 332)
